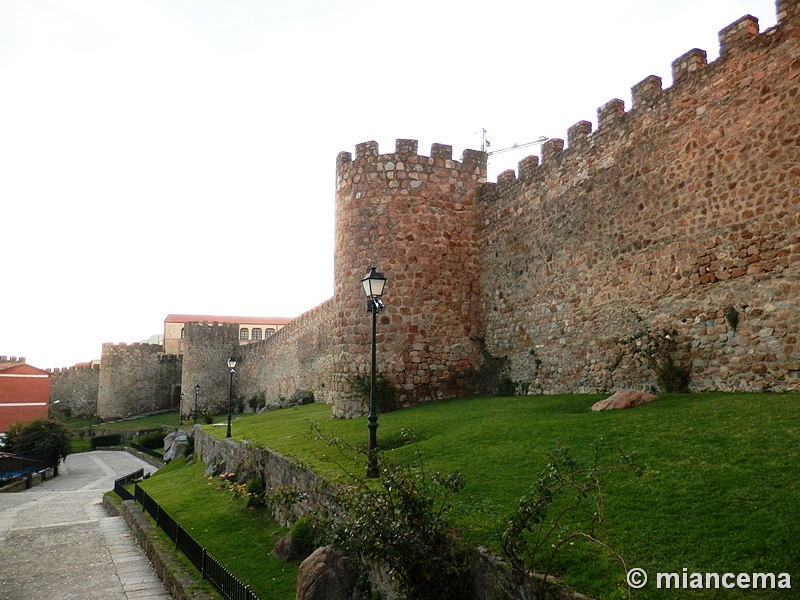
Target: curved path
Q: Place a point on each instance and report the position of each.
(56, 540)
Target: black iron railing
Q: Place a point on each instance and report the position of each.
(147, 451)
(119, 484)
(209, 567)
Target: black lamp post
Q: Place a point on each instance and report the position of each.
(231, 366)
(196, 394)
(373, 283)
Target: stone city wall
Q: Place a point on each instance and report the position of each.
(680, 215)
(298, 357)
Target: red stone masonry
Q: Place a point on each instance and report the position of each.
(414, 218)
(665, 217)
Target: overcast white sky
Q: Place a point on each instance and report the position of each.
(178, 156)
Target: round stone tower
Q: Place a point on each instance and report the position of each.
(414, 218)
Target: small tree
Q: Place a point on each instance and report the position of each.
(47, 434)
(400, 520)
(563, 506)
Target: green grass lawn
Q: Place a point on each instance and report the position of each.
(170, 417)
(722, 494)
(85, 427)
(241, 539)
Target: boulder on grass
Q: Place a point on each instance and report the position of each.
(624, 399)
(175, 444)
(326, 575)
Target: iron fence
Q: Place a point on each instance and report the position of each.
(119, 484)
(147, 451)
(225, 582)
(190, 548)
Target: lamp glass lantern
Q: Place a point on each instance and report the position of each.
(231, 363)
(373, 283)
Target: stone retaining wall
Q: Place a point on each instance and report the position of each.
(275, 470)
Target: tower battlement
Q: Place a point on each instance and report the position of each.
(406, 162)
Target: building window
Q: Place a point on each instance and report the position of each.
(256, 333)
(270, 332)
(243, 333)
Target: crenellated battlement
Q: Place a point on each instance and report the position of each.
(124, 352)
(210, 330)
(694, 80)
(405, 158)
(81, 367)
(12, 359)
(295, 327)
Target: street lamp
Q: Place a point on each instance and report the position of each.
(231, 366)
(373, 283)
(196, 394)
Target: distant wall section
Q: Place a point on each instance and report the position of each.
(298, 357)
(136, 379)
(77, 388)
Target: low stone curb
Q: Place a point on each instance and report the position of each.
(178, 583)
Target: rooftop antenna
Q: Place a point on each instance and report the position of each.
(484, 142)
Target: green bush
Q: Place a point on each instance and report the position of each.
(305, 532)
(563, 507)
(101, 441)
(385, 392)
(189, 450)
(673, 377)
(401, 520)
(257, 401)
(153, 440)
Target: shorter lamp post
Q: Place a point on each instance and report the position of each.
(231, 366)
(196, 394)
(373, 283)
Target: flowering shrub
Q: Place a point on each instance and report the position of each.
(400, 520)
(254, 493)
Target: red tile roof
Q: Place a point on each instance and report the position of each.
(23, 368)
(223, 319)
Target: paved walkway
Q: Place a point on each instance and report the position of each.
(57, 542)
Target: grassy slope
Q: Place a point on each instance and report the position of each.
(724, 493)
(240, 539)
